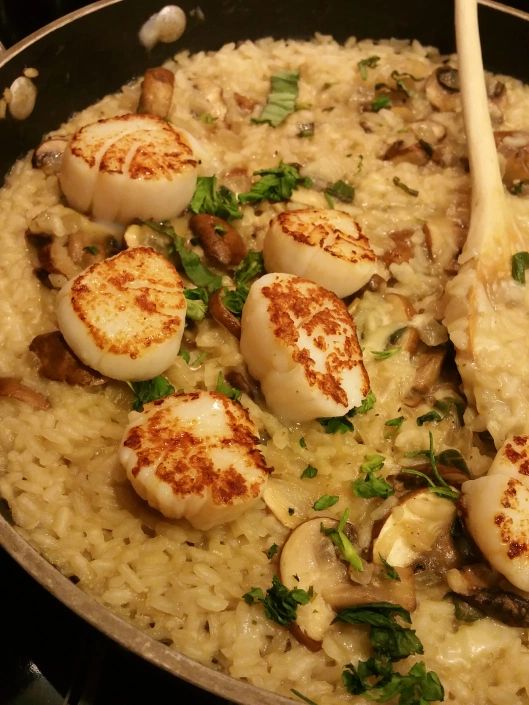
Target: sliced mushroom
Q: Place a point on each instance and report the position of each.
(221, 242)
(220, 313)
(412, 528)
(156, 92)
(513, 145)
(48, 155)
(442, 89)
(418, 153)
(242, 381)
(507, 607)
(444, 240)
(58, 362)
(401, 247)
(245, 104)
(289, 502)
(12, 388)
(309, 560)
(403, 307)
(428, 369)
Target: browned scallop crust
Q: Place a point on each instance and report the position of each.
(141, 147)
(295, 313)
(139, 291)
(517, 541)
(186, 463)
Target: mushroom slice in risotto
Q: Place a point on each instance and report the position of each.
(326, 246)
(497, 511)
(125, 316)
(195, 456)
(127, 167)
(300, 342)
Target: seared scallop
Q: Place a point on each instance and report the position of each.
(125, 316)
(195, 456)
(326, 246)
(300, 342)
(127, 167)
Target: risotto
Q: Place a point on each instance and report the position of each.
(372, 130)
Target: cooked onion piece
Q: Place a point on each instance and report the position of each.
(127, 167)
(300, 342)
(326, 246)
(125, 316)
(195, 456)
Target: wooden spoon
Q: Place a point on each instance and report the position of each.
(487, 313)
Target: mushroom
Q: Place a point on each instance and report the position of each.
(418, 153)
(11, 387)
(309, 559)
(220, 313)
(48, 155)
(245, 104)
(413, 527)
(221, 242)
(289, 502)
(443, 241)
(428, 369)
(507, 607)
(156, 92)
(58, 362)
(513, 145)
(401, 248)
(442, 89)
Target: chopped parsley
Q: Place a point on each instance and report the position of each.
(340, 190)
(150, 390)
(325, 501)
(436, 483)
(519, 263)
(281, 100)
(372, 485)
(280, 604)
(370, 63)
(400, 184)
(385, 354)
(342, 543)
(390, 572)
(207, 118)
(391, 641)
(309, 472)
(380, 102)
(250, 268)
(451, 457)
(276, 184)
(208, 199)
(271, 551)
(91, 249)
(197, 303)
(343, 424)
(225, 388)
(395, 423)
(430, 416)
(302, 442)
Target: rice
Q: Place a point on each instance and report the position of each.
(69, 496)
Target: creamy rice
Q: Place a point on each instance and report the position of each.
(70, 498)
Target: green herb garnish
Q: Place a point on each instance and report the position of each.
(390, 572)
(370, 63)
(342, 424)
(305, 129)
(341, 190)
(225, 388)
(280, 603)
(376, 679)
(150, 390)
(208, 199)
(276, 184)
(271, 551)
(430, 416)
(342, 543)
(379, 102)
(281, 100)
(207, 118)
(372, 485)
(302, 442)
(309, 472)
(384, 354)
(303, 697)
(91, 249)
(519, 263)
(325, 501)
(250, 268)
(197, 303)
(395, 423)
(404, 187)
(436, 483)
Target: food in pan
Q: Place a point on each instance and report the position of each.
(230, 408)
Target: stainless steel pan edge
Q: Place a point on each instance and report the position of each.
(45, 573)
